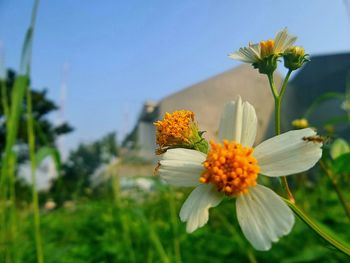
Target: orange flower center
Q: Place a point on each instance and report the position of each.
(267, 48)
(175, 129)
(231, 167)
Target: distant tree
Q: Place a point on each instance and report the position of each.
(46, 132)
(81, 164)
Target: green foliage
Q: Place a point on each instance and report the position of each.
(81, 164)
(341, 165)
(93, 230)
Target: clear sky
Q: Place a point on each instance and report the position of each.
(121, 53)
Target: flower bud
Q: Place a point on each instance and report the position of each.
(294, 57)
(300, 123)
(179, 130)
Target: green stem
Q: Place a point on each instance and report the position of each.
(31, 144)
(341, 198)
(277, 116)
(284, 84)
(278, 102)
(272, 86)
(321, 231)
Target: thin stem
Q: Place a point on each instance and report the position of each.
(277, 116)
(31, 144)
(272, 86)
(320, 230)
(284, 84)
(278, 100)
(341, 198)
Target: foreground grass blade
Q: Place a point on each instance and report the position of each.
(33, 162)
(321, 230)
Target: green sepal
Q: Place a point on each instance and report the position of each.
(267, 65)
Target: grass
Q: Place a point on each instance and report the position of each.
(94, 231)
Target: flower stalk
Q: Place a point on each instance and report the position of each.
(278, 96)
(321, 231)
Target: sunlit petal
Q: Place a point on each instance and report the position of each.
(181, 167)
(288, 153)
(238, 123)
(195, 210)
(263, 217)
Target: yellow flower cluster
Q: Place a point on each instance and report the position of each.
(176, 129)
(231, 167)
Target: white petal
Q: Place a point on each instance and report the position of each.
(288, 153)
(255, 48)
(238, 123)
(181, 167)
(245, 54)
(283, 41)
(195, 210)
(263, 217)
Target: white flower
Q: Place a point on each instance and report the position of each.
(255, 52)
(262, 214)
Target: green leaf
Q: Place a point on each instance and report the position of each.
(339, 147)
(342, 164)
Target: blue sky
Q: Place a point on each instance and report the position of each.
(121, 53)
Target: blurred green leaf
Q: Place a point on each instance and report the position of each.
(339, 147)
(342, 164)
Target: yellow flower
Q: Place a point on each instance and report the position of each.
(255, 52)
(177, 129)
(231, 167)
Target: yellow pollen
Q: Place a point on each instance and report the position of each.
(175, 129)
(231, 167)
(267, 48)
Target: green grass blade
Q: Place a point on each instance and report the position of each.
(321, 230)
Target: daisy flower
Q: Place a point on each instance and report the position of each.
(231, 169)
(256, 52)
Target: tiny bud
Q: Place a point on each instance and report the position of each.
(300, 123)
(294, 57)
